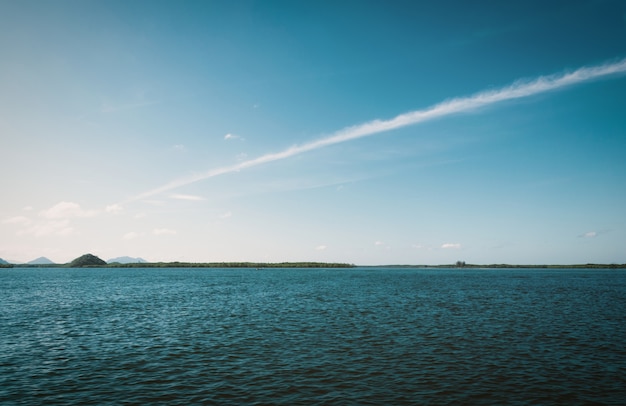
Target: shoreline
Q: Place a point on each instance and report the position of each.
(313, 265)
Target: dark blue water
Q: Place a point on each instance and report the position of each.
(301, 336)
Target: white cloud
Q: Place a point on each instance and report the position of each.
(230, 136)
(382, 246)
(186, 197)
(66, 210)
(321, 247)
(114, 208)
(52, 221)
(131, 235)
(590, 234)
(52, 227)
(226, 215)
(17, 220)
(27, 208)
(517, 90)
(179, 147)
(455, 246)
(163, 231)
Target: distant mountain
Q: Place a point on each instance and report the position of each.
(40, 261)
(86, 260)
(3, 262)
(127, 260)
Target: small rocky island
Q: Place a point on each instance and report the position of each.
(86, 260)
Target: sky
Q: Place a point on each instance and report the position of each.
(362, 132)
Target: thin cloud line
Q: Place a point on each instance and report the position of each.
(517, 90)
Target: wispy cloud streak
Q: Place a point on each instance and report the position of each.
(517, 90)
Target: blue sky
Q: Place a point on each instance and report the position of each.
(367, 132)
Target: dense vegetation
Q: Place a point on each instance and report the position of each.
(89, 260)
(86, 260)
(509, 266)
(231, 265)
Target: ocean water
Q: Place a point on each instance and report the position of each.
(312, 336)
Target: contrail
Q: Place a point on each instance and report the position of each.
(517, 90)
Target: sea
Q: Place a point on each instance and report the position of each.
(357, 336)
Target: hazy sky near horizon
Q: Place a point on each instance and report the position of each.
(367, 132)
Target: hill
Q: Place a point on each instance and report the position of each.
(86, 260)
(40, 261)
(126, 260)
(3, 262)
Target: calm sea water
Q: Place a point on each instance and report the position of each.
(312, 336)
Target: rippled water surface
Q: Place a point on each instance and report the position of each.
(312, 336)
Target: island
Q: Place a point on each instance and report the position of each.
(92, 261)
